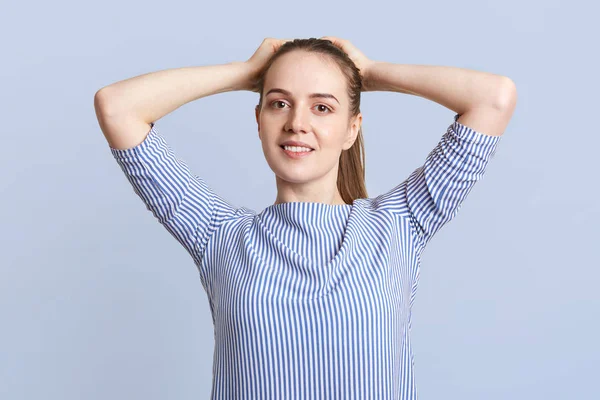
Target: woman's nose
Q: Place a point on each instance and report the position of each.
(298, 119)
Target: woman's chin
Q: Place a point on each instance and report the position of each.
(293, 175)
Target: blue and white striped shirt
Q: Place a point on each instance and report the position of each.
(310, 300)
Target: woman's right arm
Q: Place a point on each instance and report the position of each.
(126, 108)
(181, 201)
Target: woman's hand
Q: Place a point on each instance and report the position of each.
(257, 62)
(362, 62)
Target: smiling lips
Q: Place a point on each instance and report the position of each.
(295, 143)
(296, 154)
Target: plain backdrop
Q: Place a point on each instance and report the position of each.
(99, 301)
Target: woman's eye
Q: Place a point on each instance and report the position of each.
(324, 110)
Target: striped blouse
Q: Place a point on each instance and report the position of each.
(310, 300)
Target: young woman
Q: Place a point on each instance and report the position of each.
(311, 297)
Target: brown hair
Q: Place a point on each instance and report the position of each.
(351, 170)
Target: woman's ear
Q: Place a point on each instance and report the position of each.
(353, 131)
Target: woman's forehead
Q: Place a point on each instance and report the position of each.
(303, 62)
(301, 76)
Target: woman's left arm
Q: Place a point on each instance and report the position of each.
(485, 101)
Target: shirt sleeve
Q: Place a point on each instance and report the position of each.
(182, 202)
(433, 193)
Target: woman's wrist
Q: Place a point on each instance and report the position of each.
(247, 75)
(368, 77)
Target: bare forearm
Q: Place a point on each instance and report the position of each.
(456, 88)
(154, 95)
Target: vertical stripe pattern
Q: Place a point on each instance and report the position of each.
(310, 300)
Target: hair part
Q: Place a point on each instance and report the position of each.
(351, 170)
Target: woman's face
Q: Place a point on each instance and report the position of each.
(320, 122)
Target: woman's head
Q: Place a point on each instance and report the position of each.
(329, 123)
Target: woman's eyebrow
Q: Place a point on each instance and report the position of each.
(312, 95)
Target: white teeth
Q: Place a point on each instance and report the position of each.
(297, 149)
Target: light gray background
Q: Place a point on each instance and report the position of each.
(98, 301)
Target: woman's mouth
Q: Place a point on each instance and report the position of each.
(295, 153)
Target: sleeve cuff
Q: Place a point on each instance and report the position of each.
(471, 135)
(151, 138)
